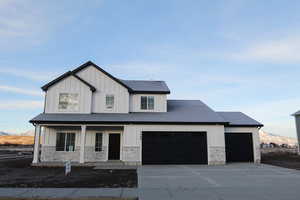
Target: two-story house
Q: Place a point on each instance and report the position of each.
(92, 116)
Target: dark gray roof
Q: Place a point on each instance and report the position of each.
(296, 113)
(179, 112)
(65, 75)
(239, 119)
(133, 86)
(140, 86)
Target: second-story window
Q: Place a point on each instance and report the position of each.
(68, 102)
(147, 102)
(109, 101)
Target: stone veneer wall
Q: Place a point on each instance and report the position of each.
(49, 154)
(131, 155)
(257, 153)
(216, 155)
(90, 155)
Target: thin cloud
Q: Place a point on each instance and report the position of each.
(35, 76)
(30, 22)
(275, 115)
(283, 50)
(24, 105)
(17, 90)
(141, 70)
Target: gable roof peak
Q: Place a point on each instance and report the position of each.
(90, 63)
(65, 75)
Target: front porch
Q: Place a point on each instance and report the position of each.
(96, 165)
(83, 145)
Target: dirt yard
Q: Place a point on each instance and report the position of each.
(285, 159)
(19, 173)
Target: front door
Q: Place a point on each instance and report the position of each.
(114, 146)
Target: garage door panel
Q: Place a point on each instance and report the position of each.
(239, 147)
(174, 148)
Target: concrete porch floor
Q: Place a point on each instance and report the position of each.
(112, 164)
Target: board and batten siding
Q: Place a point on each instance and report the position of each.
(160, 103)
(105, 86)
(68, 85)
(49, 136)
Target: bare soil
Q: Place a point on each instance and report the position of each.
(282, 159)
(20, 173)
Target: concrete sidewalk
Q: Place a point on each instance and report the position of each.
(69, 193)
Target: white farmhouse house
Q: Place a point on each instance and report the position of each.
(91, 116)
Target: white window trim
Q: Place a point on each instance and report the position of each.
(101, 141)
(68, 110)
(147, 102)
(65, 142)
(113, 102)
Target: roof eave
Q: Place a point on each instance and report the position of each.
(150, 92)
(63, 76)
(90, 63)
(124, 122)
(245, 125)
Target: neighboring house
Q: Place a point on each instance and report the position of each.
(297, 119)
(92, 116)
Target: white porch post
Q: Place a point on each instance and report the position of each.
(36, 151)
(82, 143)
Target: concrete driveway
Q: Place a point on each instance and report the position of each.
(233, 181)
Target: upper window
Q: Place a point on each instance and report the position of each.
(68, 102)
(98, 142)
(65, 141)
(147, 102)
(109, 101)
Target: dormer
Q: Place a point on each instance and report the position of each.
(147, 96)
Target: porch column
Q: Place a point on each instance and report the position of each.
(36, 148)
(82, 143)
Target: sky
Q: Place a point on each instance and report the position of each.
(235, 55)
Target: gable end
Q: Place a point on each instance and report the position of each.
(90, 63)
(65, 75)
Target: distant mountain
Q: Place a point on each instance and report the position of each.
(2, 133)
(276, 139)
(28, 133)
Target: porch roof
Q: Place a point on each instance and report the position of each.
(179, 112)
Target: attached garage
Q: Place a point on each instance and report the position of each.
(174, 148)
(239, 147)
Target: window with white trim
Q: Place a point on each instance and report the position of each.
(109, 101)
(147, 102)
(98, 142)
(65, 141)
(68, 102)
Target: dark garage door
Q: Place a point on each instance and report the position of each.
(239, 147)
(174, 148)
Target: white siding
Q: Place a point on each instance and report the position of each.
(215, 134)
(255, 138)
(105, 85)
(49, 140)
(160, 103)
(49, 136)
(68, 85)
